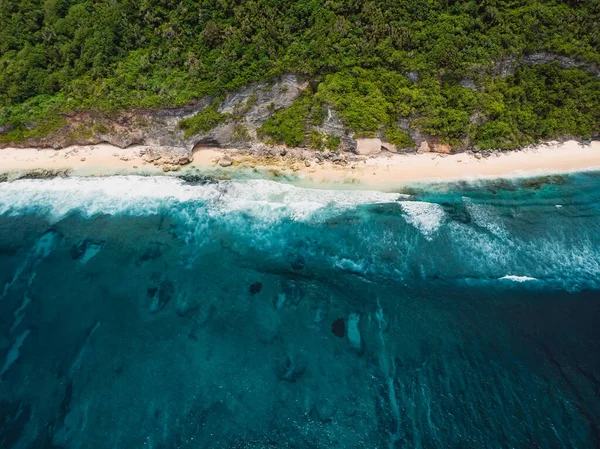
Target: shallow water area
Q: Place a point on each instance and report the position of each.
(154, 312)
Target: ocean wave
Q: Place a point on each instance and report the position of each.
(484, 216)
(136, 195)
(520, 279)
(266, 220)
(426, 217)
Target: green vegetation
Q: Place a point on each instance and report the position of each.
(58, 56)
(320, 141)
(539, 102)
(204, 120)
(393, 134)
(289, 125)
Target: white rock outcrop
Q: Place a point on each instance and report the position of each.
(368, 146)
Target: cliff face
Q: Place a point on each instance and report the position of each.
(235, 120)
(243, 112)
(160, 129)
(507, 66)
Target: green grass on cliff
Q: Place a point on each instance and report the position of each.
(204, 121)
(58, 56)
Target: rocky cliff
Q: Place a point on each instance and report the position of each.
(234, 120)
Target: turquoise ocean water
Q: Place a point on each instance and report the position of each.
(156, 313)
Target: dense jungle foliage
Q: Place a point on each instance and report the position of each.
(62, 55)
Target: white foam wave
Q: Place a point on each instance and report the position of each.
(136, 195)
(520, 279)
(426, 217)
(484, 216)
(350, 265)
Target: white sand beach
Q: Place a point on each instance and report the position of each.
(374, 172)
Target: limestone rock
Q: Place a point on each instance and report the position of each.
(333, 126)
(368, 146)
(389, 147)
(468, 83)
(424, 147)
(123, 139)
(443, 148)
(413, 76)
(225, 161)
(151, 155)
(6, 128)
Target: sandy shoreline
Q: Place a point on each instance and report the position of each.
(381, 172)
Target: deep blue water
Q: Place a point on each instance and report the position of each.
(154, 313)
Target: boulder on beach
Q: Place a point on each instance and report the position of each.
(424, 147)
(225, 161)
(368, 146)
(443, 148)
(389, 147)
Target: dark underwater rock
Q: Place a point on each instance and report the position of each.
(255, 288)
(538, 183)
(339, 328)
(152, 252)
(6, 250)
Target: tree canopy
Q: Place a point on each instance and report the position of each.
(62, 55)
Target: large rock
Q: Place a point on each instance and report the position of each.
(123, 138)
(424, 147)
(443, 148)
(225, 161)
(389, 147)
(368, 146)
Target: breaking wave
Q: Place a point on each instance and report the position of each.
(362, 232)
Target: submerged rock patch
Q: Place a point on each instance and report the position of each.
(339, 328)
(255, 288)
